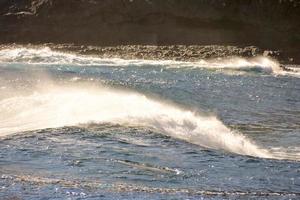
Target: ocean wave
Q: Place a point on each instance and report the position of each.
(46, 56)
(64, 106)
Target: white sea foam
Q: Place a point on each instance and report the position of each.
(46, 56)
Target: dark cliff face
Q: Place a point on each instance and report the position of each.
(271, 24)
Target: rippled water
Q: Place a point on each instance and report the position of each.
(75, 127)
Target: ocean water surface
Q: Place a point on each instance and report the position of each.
(82, 127)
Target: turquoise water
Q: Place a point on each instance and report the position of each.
(75, 127)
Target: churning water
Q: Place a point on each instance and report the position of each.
(77, 127)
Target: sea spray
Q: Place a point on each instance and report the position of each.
(65, 106)
(48, 57)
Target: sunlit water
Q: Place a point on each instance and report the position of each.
(78, 127)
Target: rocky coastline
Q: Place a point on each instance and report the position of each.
(154, 29)
(153, 52)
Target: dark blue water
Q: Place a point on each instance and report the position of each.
(47, 153)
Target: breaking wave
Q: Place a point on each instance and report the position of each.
(46, 56)
(69, 106)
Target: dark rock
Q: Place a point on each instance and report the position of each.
(273, 25)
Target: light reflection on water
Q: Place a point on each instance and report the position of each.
(136, 162)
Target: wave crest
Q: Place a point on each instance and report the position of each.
(65, 106)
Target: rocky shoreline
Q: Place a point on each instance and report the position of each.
(169, 52)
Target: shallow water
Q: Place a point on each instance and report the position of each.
(75, 127)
